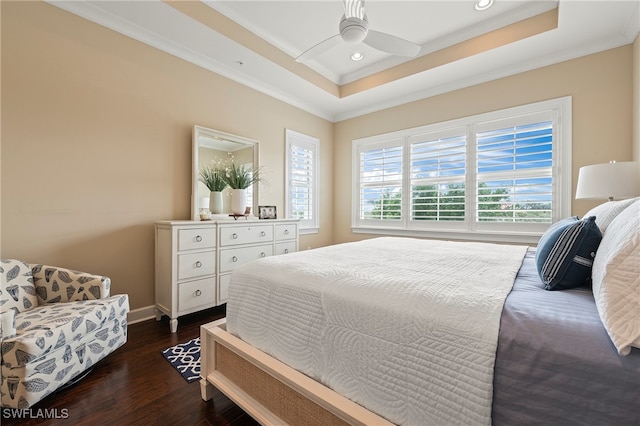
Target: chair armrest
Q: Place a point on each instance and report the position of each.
(7, 323)
(54, 284)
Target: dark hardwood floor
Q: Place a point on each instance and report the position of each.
(135, 385)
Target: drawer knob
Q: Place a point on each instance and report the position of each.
(234, 259)
(262, 233)
(198, 238)
(197, 293)
(286, 232)
(286, 251)
(198, 264)
(262, 254)
(234, 236)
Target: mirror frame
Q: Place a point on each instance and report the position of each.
(199, 131)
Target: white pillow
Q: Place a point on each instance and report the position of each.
(608, 211)
(616, 279)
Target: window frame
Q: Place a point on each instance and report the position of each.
(386, 143)
(559, 110)
(294, 138)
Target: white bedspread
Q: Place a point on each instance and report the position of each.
(407, 328)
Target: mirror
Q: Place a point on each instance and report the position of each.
(211, 147)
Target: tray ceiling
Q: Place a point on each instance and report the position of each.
(256, 43)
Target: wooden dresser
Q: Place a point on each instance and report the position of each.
(194, 259)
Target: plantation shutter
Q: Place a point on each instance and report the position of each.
(500, 176)
(437, 175)
(301, 180)
(380, 171)
(514, 169)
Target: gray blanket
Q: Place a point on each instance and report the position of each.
(555, 363)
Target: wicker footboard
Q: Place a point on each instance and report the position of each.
(268, 390)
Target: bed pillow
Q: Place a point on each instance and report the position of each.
(566, 251)
(616, 279)
(608, 211)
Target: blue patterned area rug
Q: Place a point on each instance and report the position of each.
(185, 358)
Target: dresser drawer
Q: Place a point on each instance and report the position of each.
(192, 265)
(287, 231)
(234, 235)
(196, 238)
(192, 294)
(286, 247)
(232, 258)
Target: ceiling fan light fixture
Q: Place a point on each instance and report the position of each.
(483, 4)
(353, 30)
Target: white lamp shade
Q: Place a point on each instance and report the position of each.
(609, 180)
(204, 203)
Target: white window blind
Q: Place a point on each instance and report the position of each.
(437, 176)
(514, 170)
(301, 180)
(380, 192)
(301, 183)
(504, 172)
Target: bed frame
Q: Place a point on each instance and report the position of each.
(269, 390)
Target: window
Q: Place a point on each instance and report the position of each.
(381, 187)
(437, 175)
(504, 175)
(514, 170)
(302, 180)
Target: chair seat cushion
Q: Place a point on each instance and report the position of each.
(49, 327)
(24, 386)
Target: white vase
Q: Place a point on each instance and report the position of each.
(215, 202)
(238, 201)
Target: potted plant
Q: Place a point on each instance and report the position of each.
(214, 178)
(239, 178)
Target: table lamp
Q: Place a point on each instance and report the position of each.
(609, 180)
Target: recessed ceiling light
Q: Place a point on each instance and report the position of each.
(483, 4)
(357, 56)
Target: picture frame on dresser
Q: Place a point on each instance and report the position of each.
(267, 212)
(194, 260)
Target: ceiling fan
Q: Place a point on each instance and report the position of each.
(354, 28)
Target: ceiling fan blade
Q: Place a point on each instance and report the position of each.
(319, 48)
(391, 44)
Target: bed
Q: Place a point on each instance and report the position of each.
(330, 344)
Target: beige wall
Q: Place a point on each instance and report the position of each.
(96, 137)
(96, 144)
(601, 87)
(636, 99)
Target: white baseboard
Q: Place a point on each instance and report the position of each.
(141, 314)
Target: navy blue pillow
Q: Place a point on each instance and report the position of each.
(565, 253)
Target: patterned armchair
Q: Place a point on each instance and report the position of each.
(54, 324)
